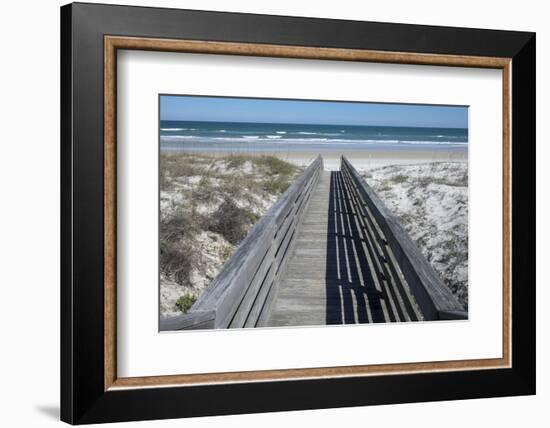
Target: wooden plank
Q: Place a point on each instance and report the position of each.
(305, 269)
(407, 303)
(261, 312)
(274, 289)
(236, 279)
(263, 305)
(188, 321)
(371, 266)
(243, 310)
(366, 224)
(262, 302)
(245, 259)
(280, 212)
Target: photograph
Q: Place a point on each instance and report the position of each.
(290, 212)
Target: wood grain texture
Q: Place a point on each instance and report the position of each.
(265, 50)
(297, 374)
(507, 171)
(112, 43)
(110, 221)
(338, 272)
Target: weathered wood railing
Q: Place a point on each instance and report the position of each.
(434, 299)
(241, 294)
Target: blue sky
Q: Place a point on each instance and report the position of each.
(219, 109)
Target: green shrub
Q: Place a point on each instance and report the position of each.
(177, 259)
(240, 186)
(277, 185)
(226, 253)
(185, 302)
(399, 178)
(251, 215)
(230, 221)
(204, 191)
(178, 165)
(178, 255)
(384, 186)
(276, 166)
(236, 161)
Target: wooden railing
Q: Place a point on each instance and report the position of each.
(432, 296)
(241, 294)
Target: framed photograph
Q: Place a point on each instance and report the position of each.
(265, 213)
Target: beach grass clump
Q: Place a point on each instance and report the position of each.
(463, 180)
(177, 259)
(385, 186)
(176, 165)
(177, 245)
(277, 185)
(235, 161)
(231, 221)
(399, 178)
(241, 186)
(204, 192)
(276, 166)
(225, 253)
(185, 302)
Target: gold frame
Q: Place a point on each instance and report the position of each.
(113, 43)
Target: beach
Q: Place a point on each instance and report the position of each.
(374, 157)
(219, 178)
(225, 161)
(300, 144)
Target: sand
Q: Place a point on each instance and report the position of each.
(431, 202)
(366, 159)
(372, 157)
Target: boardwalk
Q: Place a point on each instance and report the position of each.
(340, 271)
(327, 252)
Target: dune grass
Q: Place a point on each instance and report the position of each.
(208, 205)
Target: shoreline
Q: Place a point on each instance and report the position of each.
(365, 158)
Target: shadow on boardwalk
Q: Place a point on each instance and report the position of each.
(356, 289)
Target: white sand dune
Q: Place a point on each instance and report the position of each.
(366, 159)
(431, 201)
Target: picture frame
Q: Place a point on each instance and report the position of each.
(91, 391)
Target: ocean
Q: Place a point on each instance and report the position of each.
(278, 137)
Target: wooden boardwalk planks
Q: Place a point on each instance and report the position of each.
(340, 271)
(301, 296)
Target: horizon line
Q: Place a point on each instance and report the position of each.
(317, 124)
